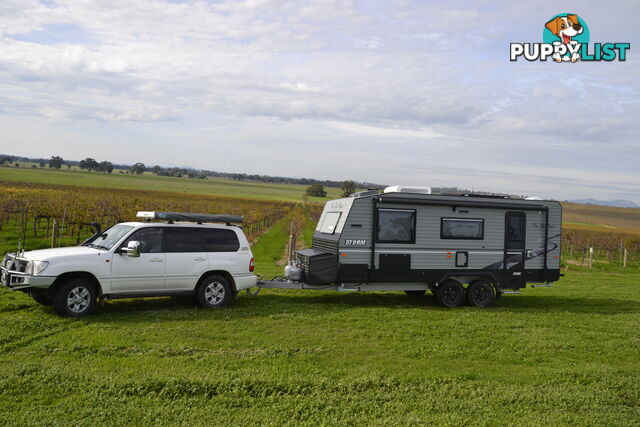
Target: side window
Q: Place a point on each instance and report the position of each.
(221, 240)
(396, 226)
(330, 222)
(191, 239)
(181, 239)
(461, 228)
(150, 240)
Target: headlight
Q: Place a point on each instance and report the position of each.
(37, 266)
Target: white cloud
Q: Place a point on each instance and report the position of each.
(368, 77)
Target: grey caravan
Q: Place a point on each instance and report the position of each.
(463, 248)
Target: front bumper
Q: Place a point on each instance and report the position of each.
(16, 281)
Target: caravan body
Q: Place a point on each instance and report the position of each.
(408, 241)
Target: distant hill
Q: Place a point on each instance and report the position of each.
(614, 203)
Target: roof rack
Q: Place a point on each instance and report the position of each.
(190, 217)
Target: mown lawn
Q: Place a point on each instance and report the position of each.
(565, 355)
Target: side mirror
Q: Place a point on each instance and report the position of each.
(133, 249)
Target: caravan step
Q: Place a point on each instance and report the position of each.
(542, 285)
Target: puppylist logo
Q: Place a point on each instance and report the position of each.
(566, 39)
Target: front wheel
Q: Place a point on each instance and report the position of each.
(450, 294)
(75, 298)
(214, 292)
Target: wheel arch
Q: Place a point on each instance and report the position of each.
(72, 275)
(476, 275)
(222, 273)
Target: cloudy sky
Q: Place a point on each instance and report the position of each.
(396, 92)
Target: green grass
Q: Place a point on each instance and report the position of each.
(221, 187)
(566, 355)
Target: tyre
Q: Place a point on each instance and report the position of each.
(75, 298)
(480, 294)
(415, 293)
(42, 299)
(450, 294)
(214, 291)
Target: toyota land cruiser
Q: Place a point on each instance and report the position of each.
(182, 256)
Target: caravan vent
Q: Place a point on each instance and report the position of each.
(406, 189)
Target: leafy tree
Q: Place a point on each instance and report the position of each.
(56, 162)
(138, 168)
(5, 159)
(316, 190)
(88, 164)
(156, 169)
(348, 188)
(17, 165)
(68, 166)
(105, 167)
(42, 164)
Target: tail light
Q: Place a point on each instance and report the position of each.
(252, 265)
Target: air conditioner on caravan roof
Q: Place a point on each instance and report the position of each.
(407, 189)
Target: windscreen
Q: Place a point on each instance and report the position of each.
(112, 236)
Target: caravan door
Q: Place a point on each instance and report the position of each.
(515, 226)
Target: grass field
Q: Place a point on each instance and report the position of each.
(150, 182)
(566, 355)
(561, 356)
(601, 218)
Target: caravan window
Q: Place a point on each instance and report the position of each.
(330, 222)
(461, 228)
(396, 226)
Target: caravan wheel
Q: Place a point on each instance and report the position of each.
(480, 294)
(450, 294)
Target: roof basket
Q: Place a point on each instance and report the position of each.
(190, 217)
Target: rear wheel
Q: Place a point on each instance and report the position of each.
(75, 298)
(450, 294)
(214, 291)
(415, 293)
(42, 299)
(480, 294)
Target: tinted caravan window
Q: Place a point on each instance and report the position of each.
(515, 228)
(396, 226)
(462, 228)
(330, 222)
(185, 239)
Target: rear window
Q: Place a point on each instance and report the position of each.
(330, 222)
(190, 239)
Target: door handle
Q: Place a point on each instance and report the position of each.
(156, 259)
(199, 259)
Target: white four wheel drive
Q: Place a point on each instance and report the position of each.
(185, 255)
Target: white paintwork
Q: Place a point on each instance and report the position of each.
(151, 272)
(407, 189)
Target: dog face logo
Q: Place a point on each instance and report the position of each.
(565, 27)
(569, 30)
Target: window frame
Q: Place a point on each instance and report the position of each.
(443, 237)
(412, 241)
